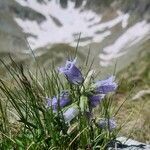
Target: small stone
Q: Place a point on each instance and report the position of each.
(129, 144)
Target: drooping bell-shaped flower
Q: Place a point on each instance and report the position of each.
(95, 100)
(60, 101)
(105, 86)
(72, 73)
(106, 123)
(70, 113)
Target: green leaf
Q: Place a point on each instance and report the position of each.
(19, 143)
(83, 103)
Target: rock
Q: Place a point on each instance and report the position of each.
(129, 144)
(141, 94)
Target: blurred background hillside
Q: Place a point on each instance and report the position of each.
(115, 30)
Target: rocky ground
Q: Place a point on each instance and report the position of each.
(134, 89)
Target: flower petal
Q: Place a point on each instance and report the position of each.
(72, 73)
(95, 100)
(106, 86)
(107, 124)
(70, 114)
(63, 100)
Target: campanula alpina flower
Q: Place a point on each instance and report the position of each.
(63, 100)
(70, 113)
(105, 86)
(72, 73)
(106, 123)
(95, 100)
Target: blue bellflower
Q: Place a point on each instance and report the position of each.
(95, 100)
(70, 114)
(105, 86)
(109, 124)
(63, 100)
(72, 73)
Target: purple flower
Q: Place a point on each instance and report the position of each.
(63, 100)
(71, 72)
(105, 86)
(95, 100)
(70, 114)
(109, 124)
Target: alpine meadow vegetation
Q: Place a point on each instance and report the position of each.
(57, 109)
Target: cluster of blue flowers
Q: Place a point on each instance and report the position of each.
(97, 93)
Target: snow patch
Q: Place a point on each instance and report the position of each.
(133, 35)
(73, 21)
